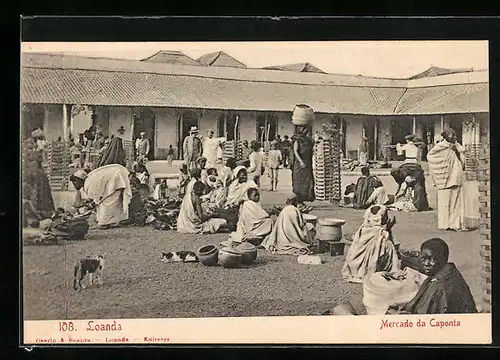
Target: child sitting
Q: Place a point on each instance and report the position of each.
(161, 190)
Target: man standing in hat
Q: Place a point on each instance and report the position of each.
(192, 148)
(142, 147)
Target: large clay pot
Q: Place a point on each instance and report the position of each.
(230, 258)
(248, 252)
(302, 115)
(330, 229)
(208, 255)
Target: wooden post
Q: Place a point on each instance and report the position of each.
(442, 123)
(375, 140)
(65, 122)
(414, 128)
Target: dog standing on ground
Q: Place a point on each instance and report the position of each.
(94, 267)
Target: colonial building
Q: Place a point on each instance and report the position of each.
(167, 93)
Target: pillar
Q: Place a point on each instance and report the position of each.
(375, 140)
(414, 126)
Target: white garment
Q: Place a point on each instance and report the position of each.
(210, 150)
(410, 150)
(378, 197)
(256, 161)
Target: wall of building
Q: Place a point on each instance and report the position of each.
(353, 131)
(120, 116)
(53, 121)
(247, 125)
(102, 118)
(166, 130)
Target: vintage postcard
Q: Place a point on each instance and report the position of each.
(256, 192)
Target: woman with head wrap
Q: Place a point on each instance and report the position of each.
(237, 191)
(34, 174)
(372, 248)
(445, 290)
(364, 188)
(113, 154)
(109, 188)
(446, 163)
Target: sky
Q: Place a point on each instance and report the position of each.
(393, 59)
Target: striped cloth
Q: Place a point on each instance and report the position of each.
(445, 166)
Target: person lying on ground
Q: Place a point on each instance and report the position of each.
(291, 234)
(444, 291)
(254, 222)
(364, 188)
(372, 249)
(192, 219)
(109, 188)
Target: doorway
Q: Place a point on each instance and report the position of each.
(144, 121)
(369, 132)
(228, 126)
(186, 121)
(267, 127)
(401, 127)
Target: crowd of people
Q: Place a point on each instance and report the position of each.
(223, 197)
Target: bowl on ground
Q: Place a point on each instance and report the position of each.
(208, 255)
(312, 219)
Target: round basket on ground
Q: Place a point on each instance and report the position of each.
(248, 252)
(208, 255)
(230, 258)
(330, 229)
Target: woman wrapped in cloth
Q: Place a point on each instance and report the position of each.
(457, 199)
(291, 234)
(109, 188)
(302, 167)
(373, 248)
(34, 175)
(412, 168)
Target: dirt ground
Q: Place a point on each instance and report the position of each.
(138, 285)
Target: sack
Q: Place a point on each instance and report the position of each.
(73, 229)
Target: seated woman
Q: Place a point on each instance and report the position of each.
(364, 188)
(291, 235)
(372, 248)
(192, 219)
(444, 291)
(410, 197)
(254, 222)
(237, 191)
(379, 195)
(226, 172)
(109, 188)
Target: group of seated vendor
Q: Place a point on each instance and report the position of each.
(369, 190)
(434, 286)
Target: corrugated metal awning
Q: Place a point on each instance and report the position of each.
(65, 86)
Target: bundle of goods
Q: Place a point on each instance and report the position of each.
(38, 236)
(69, 226)
(327, 170)
(162, 214)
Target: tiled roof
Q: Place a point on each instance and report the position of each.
(70, 80)
(220, 58)
(299, 67)
(437, 71)
(137, 89)
(171, 57)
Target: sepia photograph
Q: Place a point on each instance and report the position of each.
(324, 181)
